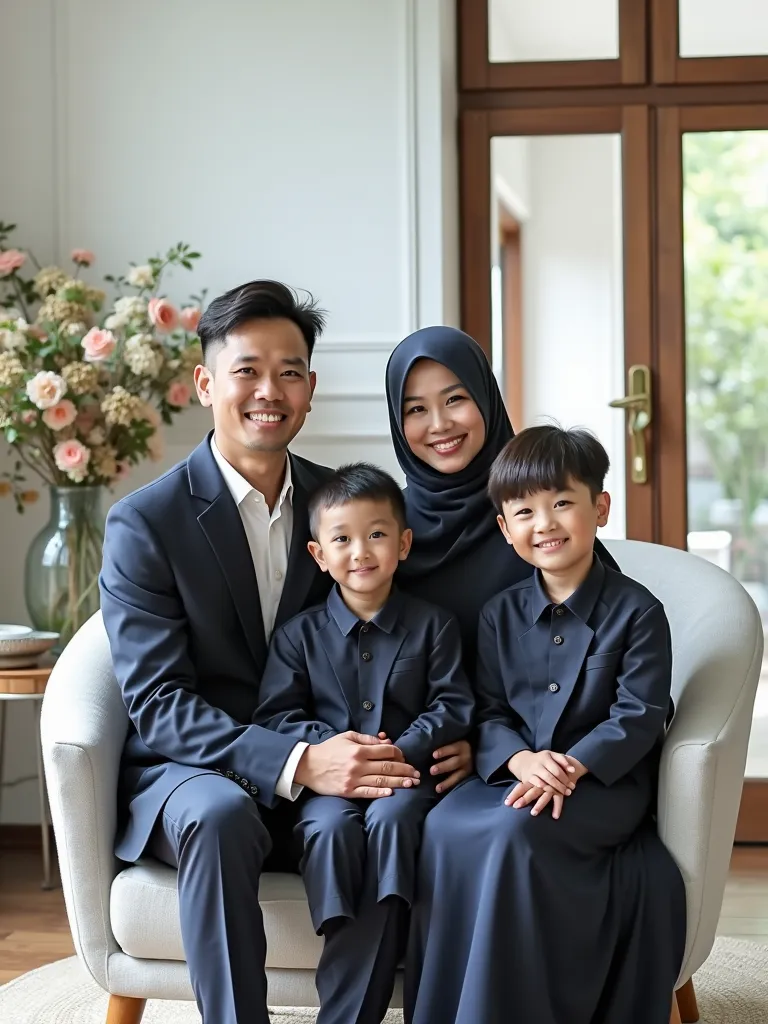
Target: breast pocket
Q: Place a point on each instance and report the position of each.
(609, 660)
(416, 664)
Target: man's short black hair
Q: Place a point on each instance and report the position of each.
(358, 481)
(258, 300)
(545, 458)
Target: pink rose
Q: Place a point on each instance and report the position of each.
(83, 257)
(98, 344)
(178, 394)
(71, 456)
(46, 389)
(163, 314)
(190, 318)
(11, 260)
(60, 415)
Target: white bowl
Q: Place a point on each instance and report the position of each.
(9, 631)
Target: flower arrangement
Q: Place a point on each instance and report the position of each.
(83, 397)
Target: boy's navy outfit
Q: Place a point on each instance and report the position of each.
(592, 901)
(401, 673)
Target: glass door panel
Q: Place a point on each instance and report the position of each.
(725, 256)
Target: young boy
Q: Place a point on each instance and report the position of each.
(589, 675)
(376, 661)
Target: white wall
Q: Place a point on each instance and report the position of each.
(571, 246)
(310, 142)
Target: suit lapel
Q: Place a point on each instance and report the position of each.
(221, 523)
(387, 647)
(330, 638)
(301, 566)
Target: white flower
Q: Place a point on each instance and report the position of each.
(131, 306)
(141, 277)
(116, 322)
(46, 389)
(21, 324)
(96, 437)
(76, 329)
(10, 340)
(141, 358)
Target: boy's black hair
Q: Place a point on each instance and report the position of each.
(358, 481)
(258, 300)
(544, 459)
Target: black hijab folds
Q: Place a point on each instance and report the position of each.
(448, 512)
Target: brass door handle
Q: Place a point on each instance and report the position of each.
(639, 406)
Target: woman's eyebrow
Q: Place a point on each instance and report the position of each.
(445, 391)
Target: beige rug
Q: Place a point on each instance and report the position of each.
(732, 988)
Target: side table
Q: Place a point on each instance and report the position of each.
(29, 684)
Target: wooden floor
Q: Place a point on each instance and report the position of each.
(34, 930)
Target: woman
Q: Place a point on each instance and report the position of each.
(448, 424)
(507, 927)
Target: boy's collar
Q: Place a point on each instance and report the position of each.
(346, 620)
(581, 602)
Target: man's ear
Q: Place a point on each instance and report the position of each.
(317, 553)
(204, 385)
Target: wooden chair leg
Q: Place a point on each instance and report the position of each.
(674, 1017)
(125, 1010)
(686, 1000)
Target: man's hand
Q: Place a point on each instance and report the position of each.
(456, 759)
(355, 766)
(525, 794)
(546, 769)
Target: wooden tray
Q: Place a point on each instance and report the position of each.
(25, 680)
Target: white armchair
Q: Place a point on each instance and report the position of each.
(125, 922)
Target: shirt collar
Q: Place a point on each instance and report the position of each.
(346, 620)
(239, 487)
(581, 602)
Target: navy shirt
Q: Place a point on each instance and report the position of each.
(401, 673)
(590, 677)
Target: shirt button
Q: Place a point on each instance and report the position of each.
(254, 790)
(553, 687)
(559, 611)
(278, 574)
(366, 655)
(558, 639)
(364, 629)
(367, 705)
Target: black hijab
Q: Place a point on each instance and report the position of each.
(448, 512)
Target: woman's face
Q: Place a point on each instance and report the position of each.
(442, 424)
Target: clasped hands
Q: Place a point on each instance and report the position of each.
(362, 767)
(545, 776)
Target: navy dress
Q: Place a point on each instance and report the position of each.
(532, 920)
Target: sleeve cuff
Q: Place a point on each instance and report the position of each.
(286, 788)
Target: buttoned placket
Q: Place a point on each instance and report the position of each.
(365, 651)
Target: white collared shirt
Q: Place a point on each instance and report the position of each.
(269, 538)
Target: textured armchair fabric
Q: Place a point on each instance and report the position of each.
(125, 919)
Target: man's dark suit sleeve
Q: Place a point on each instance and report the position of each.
(285, 696)
(148, 633)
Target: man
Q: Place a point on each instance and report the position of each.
(199, 567)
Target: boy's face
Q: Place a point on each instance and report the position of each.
(360, 544)
(555, 530)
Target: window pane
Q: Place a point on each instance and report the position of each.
(557, 288)
(711, 28)
(524, 30)
(725, 202)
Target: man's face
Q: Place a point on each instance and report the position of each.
(259, 387)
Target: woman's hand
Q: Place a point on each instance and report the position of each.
(525, 794)
(454, 760)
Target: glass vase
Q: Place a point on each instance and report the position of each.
(61, 586)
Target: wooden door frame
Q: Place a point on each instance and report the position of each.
(510, 246)
(477, 129)
(476, 71)
(669, 67)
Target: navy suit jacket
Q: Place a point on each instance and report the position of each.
(590, 678)
(181, 608)
(400, 673)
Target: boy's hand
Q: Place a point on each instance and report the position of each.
(580, 770)
(525, 794)
(454, 758)
(546, 769)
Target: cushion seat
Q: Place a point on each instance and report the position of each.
(144, 910)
